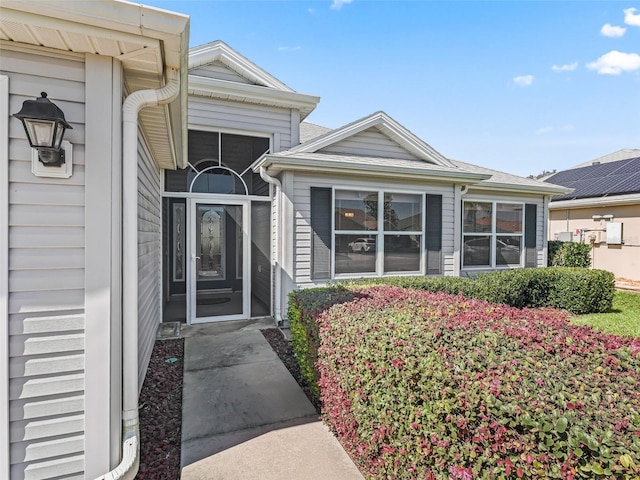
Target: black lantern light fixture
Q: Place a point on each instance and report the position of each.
(45, 125)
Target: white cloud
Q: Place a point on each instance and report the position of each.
(337, 4)
(614, 63)
(567, 128)
(311, 10)
(290, 49)
(543, 130)
(630, 18)
(523, 80)
(567, 67)
(611, 31)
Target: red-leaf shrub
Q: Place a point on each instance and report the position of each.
(420, 385)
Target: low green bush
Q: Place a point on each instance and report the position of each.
(304, 308)
(572, 254)
(552, 248)
(421, 385)
(578, 290)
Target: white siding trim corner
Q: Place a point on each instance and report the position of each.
(97, 279)
(4, 276)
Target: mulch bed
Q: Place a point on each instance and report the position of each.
(283, 348)
(160, 411)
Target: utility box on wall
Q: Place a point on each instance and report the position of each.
(565, 236)
(614, 233)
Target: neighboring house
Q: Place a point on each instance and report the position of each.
(603, 209)
(207, 214)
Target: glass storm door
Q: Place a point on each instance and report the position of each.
(218, 287)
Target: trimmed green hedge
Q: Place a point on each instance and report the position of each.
(420, 385)
(577, 290)
(572, 254)
(304, 308)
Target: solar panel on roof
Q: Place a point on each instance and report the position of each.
(613, 178)
(605, 169)
(630, 184)
(629, 166)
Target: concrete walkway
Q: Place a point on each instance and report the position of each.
(244, 417)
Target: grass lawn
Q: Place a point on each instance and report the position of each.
(623, 319)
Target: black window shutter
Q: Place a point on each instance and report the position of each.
(433, 234)
(530, 214)
(320, 233)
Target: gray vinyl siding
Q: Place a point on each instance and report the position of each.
(302, 211)
(46, 279)
(370, 143)
(538, 201)
(149, 256)
(241, 117)
(220, 71)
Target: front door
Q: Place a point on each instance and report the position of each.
(218, 287)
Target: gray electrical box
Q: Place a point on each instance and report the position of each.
(565, 236)
(614, 233)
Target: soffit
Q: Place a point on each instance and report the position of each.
(143, 39)
(241, 92)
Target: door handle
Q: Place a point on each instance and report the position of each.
(194, 258)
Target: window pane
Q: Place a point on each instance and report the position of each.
(402, 212)
(508, 218)
(508, 250)
(477, 217)
(402, 253)
(477, 250)
(355, 254)
(356, 210)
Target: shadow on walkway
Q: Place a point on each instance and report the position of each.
(245, 417)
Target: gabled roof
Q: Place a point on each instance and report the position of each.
(363, 165)
(262, 89)
(623, 154)
(609, 179)
(309, 131)
(387, 126)
(221, 52)
(309, 156)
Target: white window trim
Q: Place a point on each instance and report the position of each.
(493, 234)
(4, 276)
(380, 233)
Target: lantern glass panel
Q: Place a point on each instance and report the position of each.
(40, 132)
(59, 134)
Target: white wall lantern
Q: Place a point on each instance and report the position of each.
(44, 124)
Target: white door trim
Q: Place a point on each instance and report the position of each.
(191, 286)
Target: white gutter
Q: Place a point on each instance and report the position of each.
(278, 250)
(135, 102)
(627, 199)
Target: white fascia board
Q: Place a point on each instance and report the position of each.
(515, 187)
(117, 15)
(213, 87)
(218, 50)
(388, 126)
(630, 199)
(276, 165)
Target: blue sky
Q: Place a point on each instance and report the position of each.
(519, 86)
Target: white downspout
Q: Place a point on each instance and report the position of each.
(136, 101)
(278, 250)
